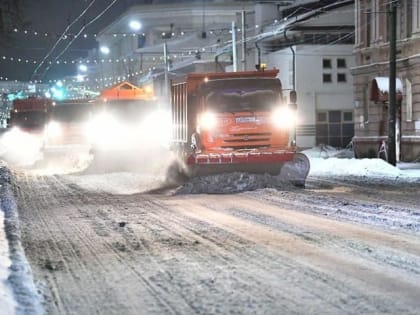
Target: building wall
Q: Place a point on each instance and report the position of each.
(372, 60)
(193, 32)
(313, 94)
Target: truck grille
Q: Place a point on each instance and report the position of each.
(247, 140)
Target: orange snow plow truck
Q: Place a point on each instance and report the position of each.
(122, 130)
(58, 126)
(235, 121)
(116, 125)
(30, 115)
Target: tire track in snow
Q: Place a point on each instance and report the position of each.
(347, 204)
(61, 250)
(197, 251)
(155, 291)
(165, 225)
(96, 246)
(307, 252)
(398, 251)
(87, 305)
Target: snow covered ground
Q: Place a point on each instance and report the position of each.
(16, 283)
(327, 162)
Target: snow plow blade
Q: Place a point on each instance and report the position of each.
(296, 171)
(286, 166)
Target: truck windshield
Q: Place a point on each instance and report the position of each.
(28, 120)
(242, 100)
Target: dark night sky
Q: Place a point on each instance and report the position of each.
(52, 17)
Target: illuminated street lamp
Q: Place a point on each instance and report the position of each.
(104, 49)
(83, 68)
(135, 25)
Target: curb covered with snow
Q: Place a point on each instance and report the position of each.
(327, 161)
(20, 274)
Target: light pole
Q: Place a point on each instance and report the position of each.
(392, 159)
(165, 56)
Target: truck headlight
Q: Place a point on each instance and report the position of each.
(284, 117)
(53, 129)
(207, 121)
(106, 132)
(101, 126)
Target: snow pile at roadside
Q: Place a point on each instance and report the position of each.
(7, 301)
(26, 299)
(324, 161)
(231, 183)
(327, 161)
(352, 167)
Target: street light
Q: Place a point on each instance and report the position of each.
(135, 25)
(83, 68)
(105, 50)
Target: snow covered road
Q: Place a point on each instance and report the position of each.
(336, 247)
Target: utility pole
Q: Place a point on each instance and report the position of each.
(235, 64)
(165, 56)
(392, 158)
(243, 46)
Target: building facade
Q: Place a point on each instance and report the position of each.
(371, 72)
(171, 37)
(315, 54)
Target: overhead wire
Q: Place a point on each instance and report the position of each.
(60, 38)
(77, 35)
(249, 39)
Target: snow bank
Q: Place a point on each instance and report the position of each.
(7, 300)
(352, 167)
(327, 161)
(231, 183)
(27, 300)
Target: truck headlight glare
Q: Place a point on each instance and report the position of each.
(207, 121)
(284, 117)
(53, 129)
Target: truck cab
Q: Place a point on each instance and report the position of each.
(232, 121)
(242, 114)
(30, 115)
